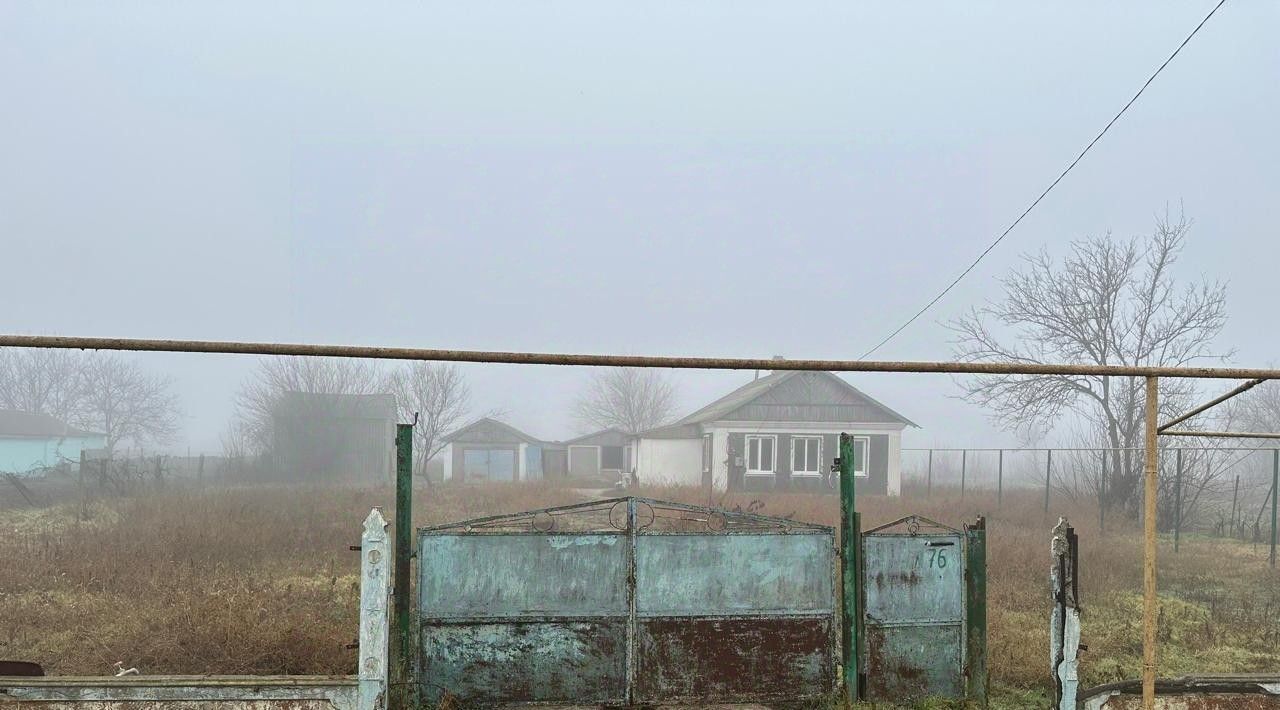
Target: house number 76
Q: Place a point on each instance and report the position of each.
(937, 558)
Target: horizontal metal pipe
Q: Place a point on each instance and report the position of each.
(1223, 434)
(1212, 403)
(1076, 449)
(702, 363)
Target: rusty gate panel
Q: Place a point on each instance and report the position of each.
(743, 616)
(528, 660)
(523, 616)
(914, 610)
(623, 601)
(740, 658)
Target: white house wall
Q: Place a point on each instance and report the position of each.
(670, 462)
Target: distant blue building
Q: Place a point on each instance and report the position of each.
(31, 443)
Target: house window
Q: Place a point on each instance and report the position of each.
(806, 456)
(861, 448)
(761, 455)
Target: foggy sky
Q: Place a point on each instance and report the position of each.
(696, 178)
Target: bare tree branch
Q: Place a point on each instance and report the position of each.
(627, 398)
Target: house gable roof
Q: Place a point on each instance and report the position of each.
(18, 424)
(489, 431)
(798, 396)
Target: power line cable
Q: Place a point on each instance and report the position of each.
(1052, 185)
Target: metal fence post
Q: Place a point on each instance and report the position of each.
(404, 549)
(1000, 480)
(964, 470)
(976, 610)
(1235, 493)
(1102, 495)
(374, 589)
(928, 491)
(1048, 478)
(850, 592)
(1177, 502)
(1275, 494)
(1150, 603)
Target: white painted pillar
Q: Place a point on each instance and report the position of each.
(446, 462)
(895, 464)
(521, 468)
(375, 592)
(720, 459)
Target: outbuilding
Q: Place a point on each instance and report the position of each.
(31, 443)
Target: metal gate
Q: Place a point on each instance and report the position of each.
(914, 610)
(627, 600)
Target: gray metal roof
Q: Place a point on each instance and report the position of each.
(18, 424)
(489, 431)
(797, 396)
(612, 436)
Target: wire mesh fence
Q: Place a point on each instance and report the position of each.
(1218, 490)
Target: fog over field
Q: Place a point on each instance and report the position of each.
(712, 178)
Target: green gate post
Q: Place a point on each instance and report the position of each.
(1275, 493)
(850, 568)
(402, 666)
(975, 577)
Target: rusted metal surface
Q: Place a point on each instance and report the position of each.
(1206, 692)
(164, 691)
(732, 659)
(914, 614)
(623, 601)
(697, 363)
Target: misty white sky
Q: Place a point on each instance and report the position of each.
(706, 178)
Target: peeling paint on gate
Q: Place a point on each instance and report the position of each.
(628, 600)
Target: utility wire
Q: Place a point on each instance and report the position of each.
(1052, 185)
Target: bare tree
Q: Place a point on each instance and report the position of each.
(126, 403)
(260, 395)
(438, 394)
(1108, 302)
(43, 381)
(628, 398)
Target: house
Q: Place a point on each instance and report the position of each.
(490, 450)
(325, 436)
(31, 443)
(778, 432)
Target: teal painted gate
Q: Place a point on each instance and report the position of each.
(914, 611)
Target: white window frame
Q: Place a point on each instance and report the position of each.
(866, 456)
(807, 438)
(773, 449)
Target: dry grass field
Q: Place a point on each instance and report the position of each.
(259, 579)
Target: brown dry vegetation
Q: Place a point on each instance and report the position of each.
(260, 580)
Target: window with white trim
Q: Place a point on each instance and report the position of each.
(762, 455)
(861, 449)
(806, 456)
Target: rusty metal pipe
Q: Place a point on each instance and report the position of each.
(1212, 403)
(1150, 603)
(706, 363)
(1223, 434)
